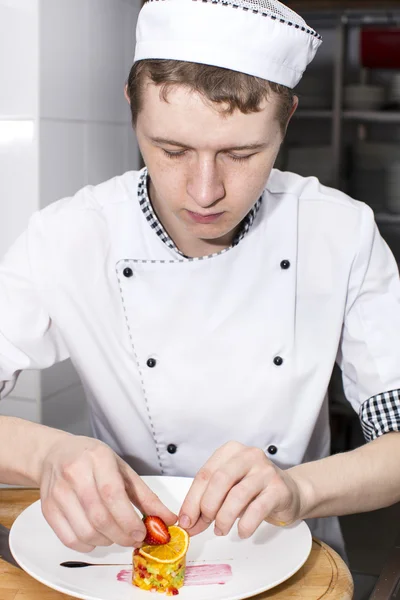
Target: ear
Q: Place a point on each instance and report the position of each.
(294, 107)
(127, 95)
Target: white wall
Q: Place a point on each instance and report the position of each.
(86, 51)
(64, 123)
(19, 134)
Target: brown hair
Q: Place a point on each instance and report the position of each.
(234, 90)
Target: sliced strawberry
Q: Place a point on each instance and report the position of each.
(157, 531)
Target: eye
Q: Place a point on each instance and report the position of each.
(173, 154)
(240, 158)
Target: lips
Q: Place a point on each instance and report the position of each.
(198, 218)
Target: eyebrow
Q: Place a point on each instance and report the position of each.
(161, 140)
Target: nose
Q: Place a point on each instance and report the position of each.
(204, 184)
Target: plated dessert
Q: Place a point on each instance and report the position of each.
(160, 564)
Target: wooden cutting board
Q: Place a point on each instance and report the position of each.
(324, 575)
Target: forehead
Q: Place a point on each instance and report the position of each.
(187, 116)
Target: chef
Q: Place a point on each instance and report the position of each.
(204, 301)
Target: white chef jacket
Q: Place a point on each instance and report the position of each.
(179, 356)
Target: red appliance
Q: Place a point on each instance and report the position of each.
(380, 48)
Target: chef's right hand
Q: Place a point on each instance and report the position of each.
(87, 493)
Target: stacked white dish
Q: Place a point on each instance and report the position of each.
(364, 97)
(314, 93)
(393, 188)
(375, 175)
(394, 90)
(311, 161)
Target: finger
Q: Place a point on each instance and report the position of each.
(263, 507)
(191, 510)
(223, 481)
(55, 517)
(237, 501)
(97, 499)
(79, 521)
(125, 525)
(143, 497)
(62, 528)
(200, 526)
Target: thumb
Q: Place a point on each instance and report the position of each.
(143, 497)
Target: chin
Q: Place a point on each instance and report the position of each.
(206, 232)
(212, 230)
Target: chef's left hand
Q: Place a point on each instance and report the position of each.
(240, 481)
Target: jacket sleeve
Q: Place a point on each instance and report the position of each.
(369, 353)
(28, 337)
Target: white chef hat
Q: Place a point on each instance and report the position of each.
(258, 37)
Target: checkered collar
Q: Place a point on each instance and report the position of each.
(155, 224)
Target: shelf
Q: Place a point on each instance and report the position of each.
(304, 113)
(343, 16)
(387, 218)
(344, 5)
(373, 116)
(366, 116)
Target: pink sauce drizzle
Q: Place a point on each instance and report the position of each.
(195, 575)
(208, 574)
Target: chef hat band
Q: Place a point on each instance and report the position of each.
(258, 37)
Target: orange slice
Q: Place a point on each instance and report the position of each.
(168, 553)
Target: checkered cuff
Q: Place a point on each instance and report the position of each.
(380, 414)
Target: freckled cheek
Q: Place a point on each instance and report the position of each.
(259, 178)
(247, 188)
(170, 185)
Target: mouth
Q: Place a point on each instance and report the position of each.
(198, 218)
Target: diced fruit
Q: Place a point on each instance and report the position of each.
(162, 567)
(172, 592)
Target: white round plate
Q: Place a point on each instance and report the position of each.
(219, 568)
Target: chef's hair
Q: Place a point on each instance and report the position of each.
(230, 89)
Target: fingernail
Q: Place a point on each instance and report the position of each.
(217, 531)
(184, 521)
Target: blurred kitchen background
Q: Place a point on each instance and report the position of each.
(64, 123)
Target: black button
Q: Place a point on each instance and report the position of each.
(285, 264)
(272, 449)
(151, 363)
(172, 448)
(128, 272)
(278, 361)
